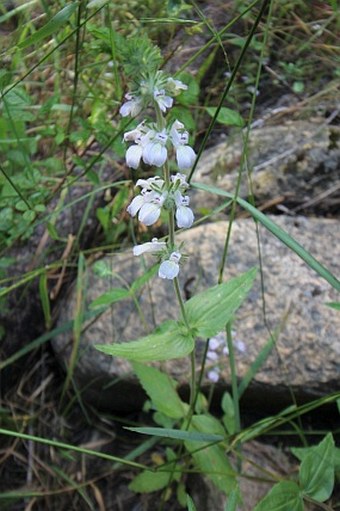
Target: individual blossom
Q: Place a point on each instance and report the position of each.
(140, 136)
(185, 155)
(133, 106)
(155, 151)
(214, 375)
(169, 268)
(162, 99)
(175, 87)
(184, 215)
(180, 180)
(148, 205)
(150, 247)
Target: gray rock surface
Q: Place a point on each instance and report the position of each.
(306, 357)
(294, 165)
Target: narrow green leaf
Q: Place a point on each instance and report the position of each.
(172, 343)
(233, 499)
(192, 436)
(114, 295)
(317, 470)
(147, 481)
(284, 496)
(143, 279)
(334, 305)
(45, 301)
(209, 311)
(278, 232)
(53, 25)
(211, 459)
(228, 418)
(226, 116)
(190, 504)
(161, 389)
(72, 448)
(258, 363)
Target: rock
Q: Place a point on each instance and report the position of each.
(295, 165)
(307, 354)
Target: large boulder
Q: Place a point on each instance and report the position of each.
(306, 357)
(293, 165)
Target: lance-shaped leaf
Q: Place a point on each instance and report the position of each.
(212, 460)
(209, 311)
(161, 389)
(172, 342)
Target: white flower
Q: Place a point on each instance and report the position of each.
(175, 87)
(181, 178)
(185, 155)
(133, 156)
(169, 269)
(155, 152)
(150, 212)
(131, 107)
(135, 205)
(212, 355)
(152, 183)
(184, 215)
(213, 375)
(148, 205)
(140, 136)
(163, 101)
(151, 246)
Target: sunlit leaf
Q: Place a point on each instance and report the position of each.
(209, 311)
(168, 344)
(161, 389)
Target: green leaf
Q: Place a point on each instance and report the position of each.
(177, 434)
(209, 311)
(45, 300)
(148, 481)
(278, 232)
(114, 295)
(53, 25)
(189, 96)
(258, 362)
(161, 390)
(317, 471)
(190, 504)
(229, 413)
(226, 116)
(211, 459)
(143, 279)
(284, 496)
(334, 305)
(165, 345)
(233, 499)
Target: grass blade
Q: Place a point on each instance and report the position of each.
(51, 26)
(278, 232)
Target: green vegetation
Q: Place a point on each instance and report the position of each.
(64, 189)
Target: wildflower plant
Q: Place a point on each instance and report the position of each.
(157, 139)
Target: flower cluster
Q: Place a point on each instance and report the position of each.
(150, 145)
(155, 194)
(217, 344)
(153, 143)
